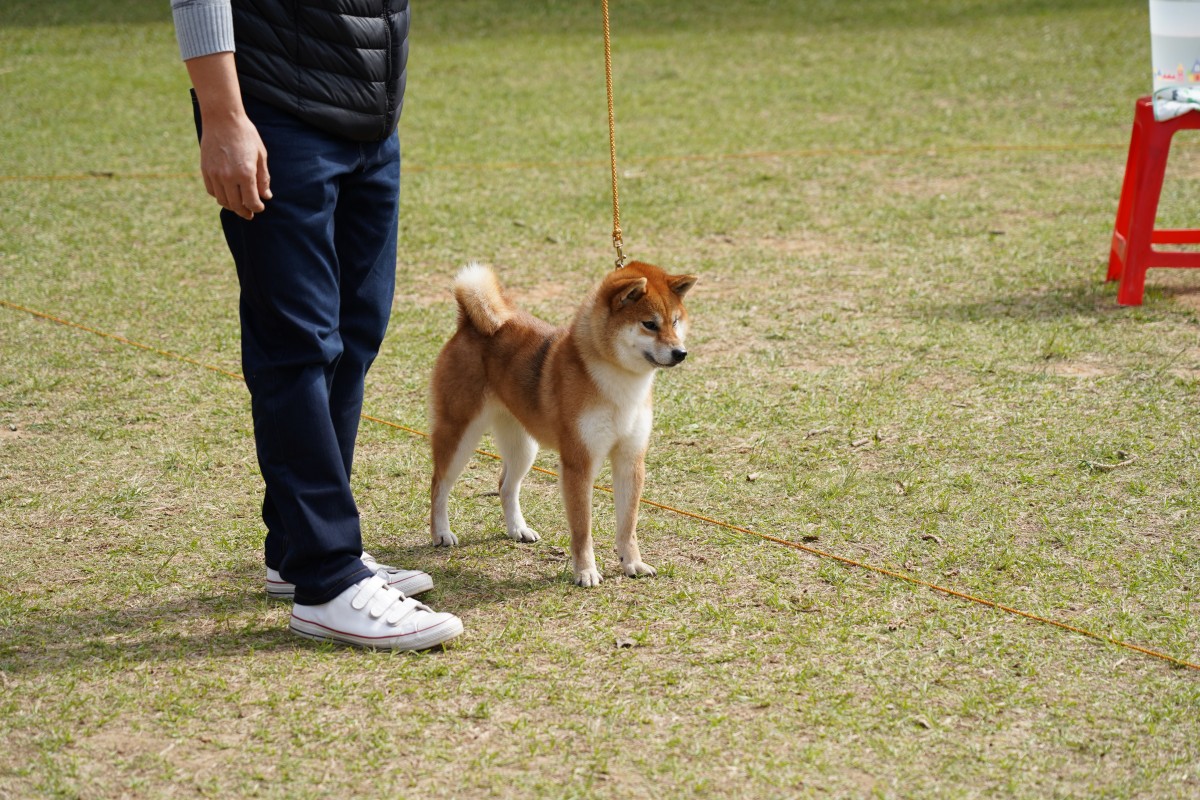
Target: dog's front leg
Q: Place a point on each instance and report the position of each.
(518, 449)
(629, 474)
(577, 477)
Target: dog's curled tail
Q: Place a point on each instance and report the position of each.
(481, 304)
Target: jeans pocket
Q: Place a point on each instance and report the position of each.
(196, 115)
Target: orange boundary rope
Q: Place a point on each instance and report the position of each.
(1179, 662)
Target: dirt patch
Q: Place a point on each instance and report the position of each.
(928, 186)
(1073, 369)
(423, 296)
(1068, 369)
(1189, 299)
(116, 752)
(806, 244)
(537, 295)
(553, 294)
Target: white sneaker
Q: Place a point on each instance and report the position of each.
(409, 582)
(372, 614)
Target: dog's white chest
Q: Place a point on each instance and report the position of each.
(606, 428)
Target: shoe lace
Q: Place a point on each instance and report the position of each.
(383, 601)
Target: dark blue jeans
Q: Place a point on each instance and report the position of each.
(317, 271)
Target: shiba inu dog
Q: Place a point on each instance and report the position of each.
(583, 390)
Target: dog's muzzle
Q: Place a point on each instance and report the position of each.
(677, 355)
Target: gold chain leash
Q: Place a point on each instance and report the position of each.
(618, 244)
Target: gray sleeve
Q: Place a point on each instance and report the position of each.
(203, 27)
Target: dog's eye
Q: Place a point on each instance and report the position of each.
(650, 325)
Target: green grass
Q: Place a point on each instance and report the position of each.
(902, 332)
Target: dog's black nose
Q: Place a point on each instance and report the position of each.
(678, 355)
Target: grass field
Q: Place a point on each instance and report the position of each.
(903, 352)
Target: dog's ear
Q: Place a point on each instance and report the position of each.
(628, 291)
(681, 283)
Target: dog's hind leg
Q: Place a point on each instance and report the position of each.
(629, 475)
(453, 444)
(518, 449)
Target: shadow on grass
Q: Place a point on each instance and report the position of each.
(1186, 297)
(42, 640)
(236, 623)
(459, 588)
(1090, 297)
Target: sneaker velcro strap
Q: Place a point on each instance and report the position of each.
(369, 589)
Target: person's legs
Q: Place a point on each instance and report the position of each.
(289, 272)
(364, 231)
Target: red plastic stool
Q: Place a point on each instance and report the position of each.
(1134, 235)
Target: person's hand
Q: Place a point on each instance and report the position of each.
(233, 159)
(233, 162)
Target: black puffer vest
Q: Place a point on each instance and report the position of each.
(337, 64)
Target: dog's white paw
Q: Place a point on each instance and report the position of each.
(587, 578)
(444, 539)
(639, 568)
(523, 534)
